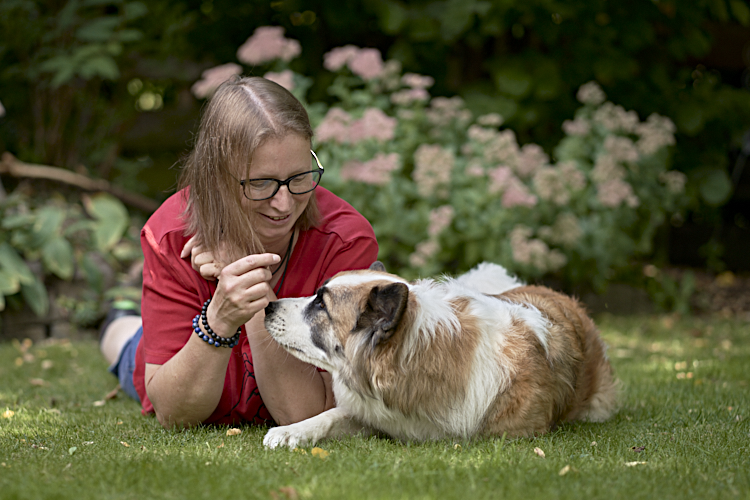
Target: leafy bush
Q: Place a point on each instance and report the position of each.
(54, 239)
(445, 190)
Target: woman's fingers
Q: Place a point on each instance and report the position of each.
(249, 263)
(187, 249)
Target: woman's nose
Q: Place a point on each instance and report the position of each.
(283, 199)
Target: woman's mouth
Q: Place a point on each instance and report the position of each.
(276, 218)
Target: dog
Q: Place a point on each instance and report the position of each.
(480, 355)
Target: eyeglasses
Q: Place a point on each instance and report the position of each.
(263, 189)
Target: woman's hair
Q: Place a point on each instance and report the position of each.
(241, 116)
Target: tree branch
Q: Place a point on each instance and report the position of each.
(10, 165)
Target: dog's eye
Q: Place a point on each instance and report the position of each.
(321, 305)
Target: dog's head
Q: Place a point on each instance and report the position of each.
(353, 316)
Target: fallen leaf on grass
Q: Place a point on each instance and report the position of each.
(539, 452)
(8, 414)
(234, 431)
(72, 450)
(287, 492)
(221, 445)
(126, 445)
(143, 448)
(633, 464)
(320, 453)
(47, 364)
(88, 443)
(38, 447)
(19, 361)
(564, 470)
(99, 403)
(38, 382)
(638, 449)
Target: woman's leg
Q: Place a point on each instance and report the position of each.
(116, 335)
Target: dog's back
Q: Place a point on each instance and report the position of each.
(568, 379)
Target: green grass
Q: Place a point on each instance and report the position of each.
(685, 399)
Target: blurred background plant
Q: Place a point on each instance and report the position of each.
(103, 87)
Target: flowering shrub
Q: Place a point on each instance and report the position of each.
(445, 190)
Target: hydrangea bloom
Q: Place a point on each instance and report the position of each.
(615, 119)
(339, 126)
(212, 78)
(444, 110)
(440, 218)
(516, 194)
(577, 126)
(566, 231)
(338, 57)
(655, 133)
(533, 251)
(267, 44)
(416, 81)
(614, 192)
(285, 78)
(556, 183)
(407, 96)
(621, 148)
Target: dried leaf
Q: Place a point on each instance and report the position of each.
(126, 445)
(456, 446)
(289, 492)
(234, 431)
(8, 414)
(593, 443)
(539, 452)
(320, 453)
(19, 361)
(99, 403)
(143, 448)
(564, 470)
(632, 464)
(88, 443)
(47, 364)
(638, 449)
(38, 382)
(221, 445)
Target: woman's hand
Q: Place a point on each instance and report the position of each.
(243, 290)
(206, 263)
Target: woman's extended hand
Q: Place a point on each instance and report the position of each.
(206, 263)
(242, 291)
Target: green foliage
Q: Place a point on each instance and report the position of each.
(57, 239)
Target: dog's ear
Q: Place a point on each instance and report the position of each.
(385, 308)
(377, 266)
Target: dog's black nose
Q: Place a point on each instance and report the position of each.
(270, 308)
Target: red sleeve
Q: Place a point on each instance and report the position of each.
(172, 295)
(352, 255)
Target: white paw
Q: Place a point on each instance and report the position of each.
(285, 435)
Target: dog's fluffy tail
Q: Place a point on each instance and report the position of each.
(602, 403)
(489, 278)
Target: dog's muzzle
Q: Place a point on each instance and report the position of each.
(271, 308)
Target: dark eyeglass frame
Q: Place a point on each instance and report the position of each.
(285, 182)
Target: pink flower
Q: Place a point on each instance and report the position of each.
(591, 93)
(212, 78)
(518, 195)
(444, 110)
(499, 178)
(578, 126)
(621, 148)
(440, 218)
(503, 148)
(366, 63)
(338, 57)
(334, 127)
(614, 192)
(266, 44)
(656, 132)
(407, 96)
(490, 120)
(416, 81)
(285, 78)
(432, 169)
(376, 171)
(530, 159)
(374, 124)
(423, 251)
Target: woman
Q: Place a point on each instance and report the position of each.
(248, 193)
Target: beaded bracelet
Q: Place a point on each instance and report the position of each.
(210, 336)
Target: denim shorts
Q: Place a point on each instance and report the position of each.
(125, 365)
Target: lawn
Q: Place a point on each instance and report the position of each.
(683, 431)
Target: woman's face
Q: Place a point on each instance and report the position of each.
(279, 159)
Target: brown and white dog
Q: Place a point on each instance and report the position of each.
(479, 355)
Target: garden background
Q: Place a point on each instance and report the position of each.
(597, 147)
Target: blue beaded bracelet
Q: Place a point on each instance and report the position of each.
(209, 336)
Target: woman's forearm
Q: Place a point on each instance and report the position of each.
(186, 390)
(291, 389)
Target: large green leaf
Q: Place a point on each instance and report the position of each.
(111, 219)
(9, 283)
(715, 186)
(36, 297)
(47, 225)
(57, 255)
(11, 262)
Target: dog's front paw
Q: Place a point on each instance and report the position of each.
(287, 435)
